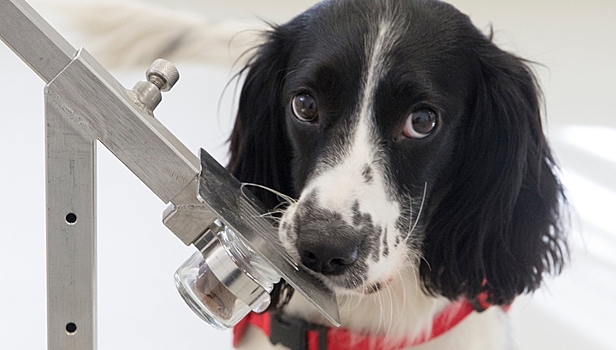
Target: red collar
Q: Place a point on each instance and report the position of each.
(300, 335)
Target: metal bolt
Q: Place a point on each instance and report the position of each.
(163, 74)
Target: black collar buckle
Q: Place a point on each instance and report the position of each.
(292, 332)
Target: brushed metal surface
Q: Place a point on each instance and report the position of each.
(186, 216)
(71, 230)
(99, 104)
(34, 40)
(92, 99)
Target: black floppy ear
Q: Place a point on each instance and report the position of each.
(260, 151)
(498, 227)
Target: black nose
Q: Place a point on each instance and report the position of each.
(329, 258)
(326, 242)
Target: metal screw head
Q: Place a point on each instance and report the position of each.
(163, 74)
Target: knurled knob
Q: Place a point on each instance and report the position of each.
(163, 74)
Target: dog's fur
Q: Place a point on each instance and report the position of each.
(398, 223)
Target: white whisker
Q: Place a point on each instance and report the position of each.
(288, 199)
(391, 308)
(403, 309)
(421, 205)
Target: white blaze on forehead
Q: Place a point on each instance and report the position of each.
(377, 54)
(341, 186)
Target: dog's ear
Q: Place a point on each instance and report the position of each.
(260, 151)
(498, 227)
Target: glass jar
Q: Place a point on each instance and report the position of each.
(225, 280)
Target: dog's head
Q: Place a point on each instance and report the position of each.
(407, 138)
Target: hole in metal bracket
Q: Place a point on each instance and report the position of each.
(71, 328)
(71, 218)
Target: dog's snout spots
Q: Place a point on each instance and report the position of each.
(359, 218)
(384, 243)
(367, 174)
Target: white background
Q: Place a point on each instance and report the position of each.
(138, 306)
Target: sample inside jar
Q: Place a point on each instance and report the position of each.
(213, 293)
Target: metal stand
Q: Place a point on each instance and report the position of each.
(85, 104)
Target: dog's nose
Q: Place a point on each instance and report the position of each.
(329, 258)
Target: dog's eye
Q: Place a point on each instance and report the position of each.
(305, 107)
(420, 123)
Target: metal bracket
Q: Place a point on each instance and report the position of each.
(85, 104)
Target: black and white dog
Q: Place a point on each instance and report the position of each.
(413, 153)
(416, 181)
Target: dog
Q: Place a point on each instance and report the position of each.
(407, 169)
(411, 150)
